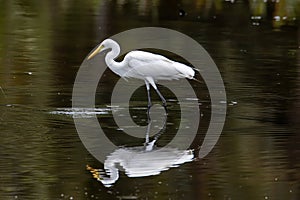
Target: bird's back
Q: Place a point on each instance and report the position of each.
(141, 64)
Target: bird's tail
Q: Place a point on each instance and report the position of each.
(198, 70)
(196, 80)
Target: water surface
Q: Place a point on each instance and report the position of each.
(41, 49)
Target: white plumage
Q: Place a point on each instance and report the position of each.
(143, 65)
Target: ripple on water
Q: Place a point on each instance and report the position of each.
(80, 112)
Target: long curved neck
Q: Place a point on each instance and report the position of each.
(113, 175)
(111, 55)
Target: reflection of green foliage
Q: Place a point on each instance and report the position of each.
(282, 12)
(258, 8)
(297, 8)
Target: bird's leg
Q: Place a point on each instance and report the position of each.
(149, 99)
(150, 145)
(162, 98)
(148, 131)
(152, 82)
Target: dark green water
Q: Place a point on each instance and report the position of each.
(42, 45)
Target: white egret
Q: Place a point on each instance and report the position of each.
(143, 65)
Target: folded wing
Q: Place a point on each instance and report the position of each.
(141, 64)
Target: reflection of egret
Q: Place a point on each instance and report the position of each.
(143, 65)
(141, 161)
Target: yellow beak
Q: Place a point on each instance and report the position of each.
(95, 52)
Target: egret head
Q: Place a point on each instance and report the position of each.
(106, 44)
